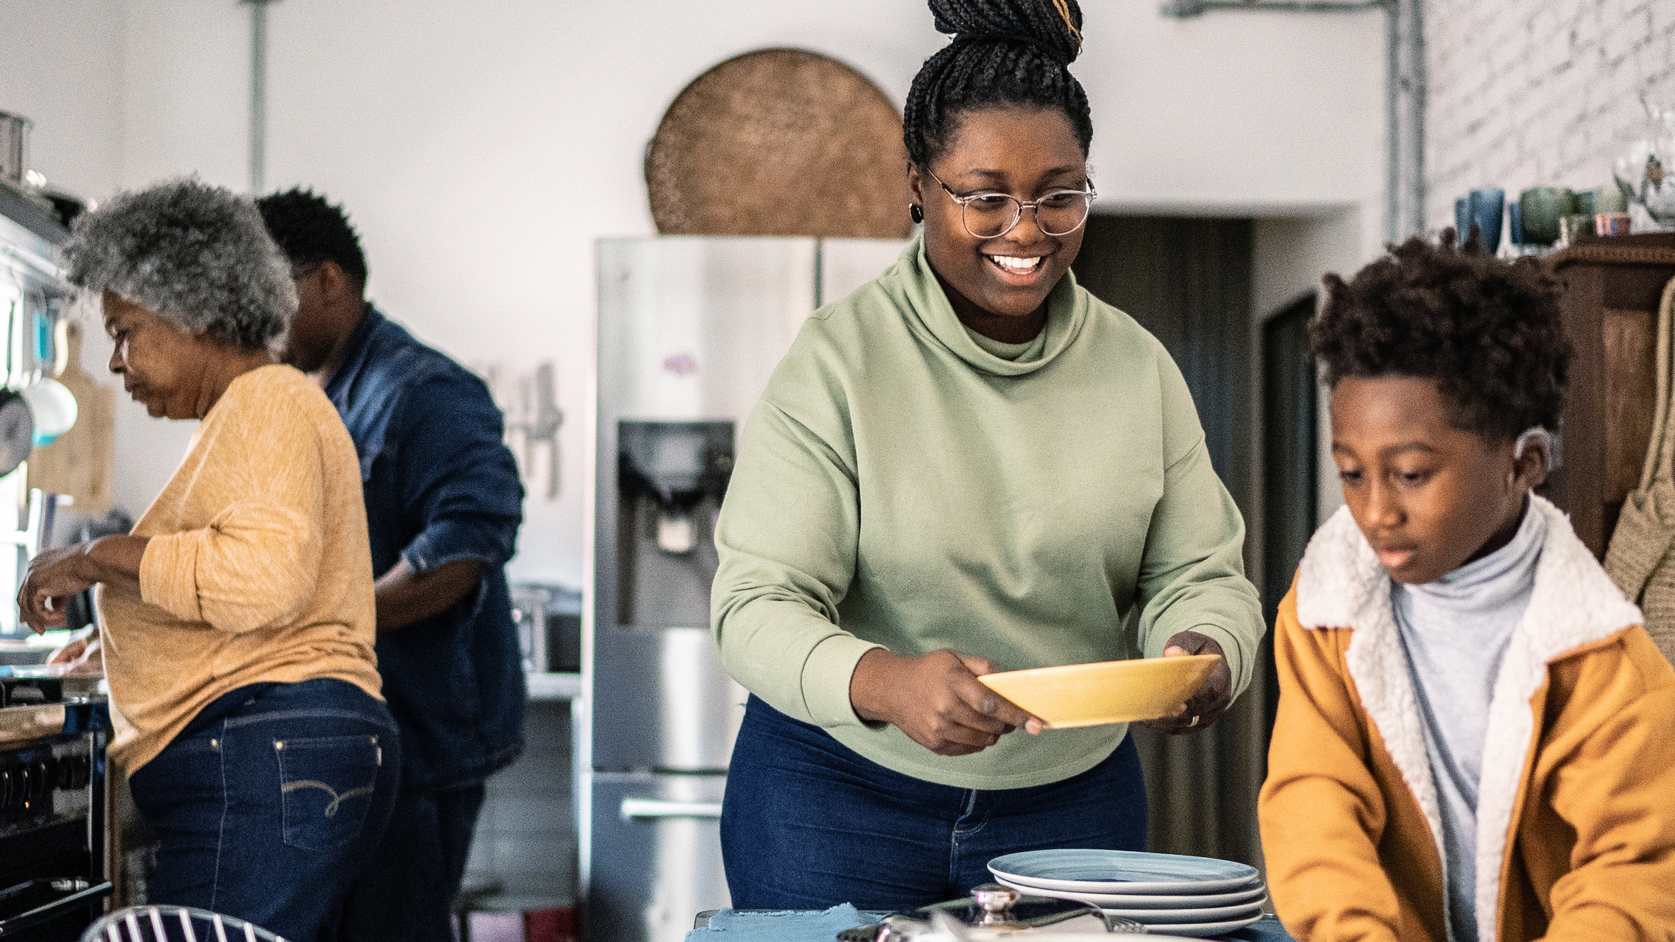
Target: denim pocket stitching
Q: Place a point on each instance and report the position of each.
(221, 826)
(306, 741)
(331, 809)
(304, 823)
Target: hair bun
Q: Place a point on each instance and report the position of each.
(1053, 26)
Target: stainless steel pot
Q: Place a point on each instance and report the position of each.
(991, 908)
(17, 430)
(14, 146)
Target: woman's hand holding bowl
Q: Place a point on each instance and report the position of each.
(936, 700)
(1212, 698)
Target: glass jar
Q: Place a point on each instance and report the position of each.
(1645, 167)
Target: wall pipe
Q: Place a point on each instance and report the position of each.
(1414, 88)
(258, 93)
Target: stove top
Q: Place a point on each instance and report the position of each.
(30, 686)
(38, 700)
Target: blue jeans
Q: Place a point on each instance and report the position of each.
(406, 892)
(807, 823)
(270, 802)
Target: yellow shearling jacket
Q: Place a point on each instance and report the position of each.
(1576, 806)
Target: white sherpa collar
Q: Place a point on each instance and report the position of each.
(1340, 584)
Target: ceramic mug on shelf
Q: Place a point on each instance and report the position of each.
(1485, 205)
(1610, 199)
(1540, 209)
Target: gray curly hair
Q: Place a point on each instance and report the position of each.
(194, 254)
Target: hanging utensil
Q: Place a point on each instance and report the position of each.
(17, 431)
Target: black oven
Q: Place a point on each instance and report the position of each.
(53, 871)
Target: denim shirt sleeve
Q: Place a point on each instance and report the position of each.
(456, 475)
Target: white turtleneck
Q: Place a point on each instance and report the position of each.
(1455, 632)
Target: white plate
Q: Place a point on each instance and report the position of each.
(1123, 871)
(1254, 894)
(1201, 928)
(1153, 917)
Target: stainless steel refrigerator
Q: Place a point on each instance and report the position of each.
(690, 328)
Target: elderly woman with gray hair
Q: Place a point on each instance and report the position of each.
(237, 618)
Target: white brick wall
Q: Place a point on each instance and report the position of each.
(1538, 92)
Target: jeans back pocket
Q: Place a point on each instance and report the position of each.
(326, 786)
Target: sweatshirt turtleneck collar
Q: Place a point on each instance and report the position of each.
(920, 294)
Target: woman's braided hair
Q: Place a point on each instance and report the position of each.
(1005, 53)
(1486, 330)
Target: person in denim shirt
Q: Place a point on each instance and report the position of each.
(443, 505)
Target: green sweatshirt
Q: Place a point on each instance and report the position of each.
(898, 485)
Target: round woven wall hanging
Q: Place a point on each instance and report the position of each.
(780, 142)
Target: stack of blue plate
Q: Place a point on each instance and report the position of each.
(1167, 893)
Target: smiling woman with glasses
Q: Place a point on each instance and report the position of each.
(969, 465)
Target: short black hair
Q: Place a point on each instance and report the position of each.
(1005, 53)
(311, 230)
(1487, 330)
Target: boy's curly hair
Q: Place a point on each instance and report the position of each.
(190, 253)
(1488, 331)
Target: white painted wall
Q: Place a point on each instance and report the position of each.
(481, 148)
(61, 65)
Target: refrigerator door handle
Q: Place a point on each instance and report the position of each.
(644, 808)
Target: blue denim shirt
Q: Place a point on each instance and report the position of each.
(440, 485)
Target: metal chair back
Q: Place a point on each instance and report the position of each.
(173, 924)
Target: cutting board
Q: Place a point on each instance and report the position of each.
(82, 462)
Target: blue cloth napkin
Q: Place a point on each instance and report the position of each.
(730, 925)
(1266, 929)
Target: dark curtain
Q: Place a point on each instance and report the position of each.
(1188, 281)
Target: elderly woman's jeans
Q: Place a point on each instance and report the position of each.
(808, 823)
(269, 803)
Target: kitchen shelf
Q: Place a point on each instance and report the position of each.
(1612, 287)
(554, 686)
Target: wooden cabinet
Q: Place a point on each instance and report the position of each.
(1611, 292)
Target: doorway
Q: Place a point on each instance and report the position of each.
(1189, 282)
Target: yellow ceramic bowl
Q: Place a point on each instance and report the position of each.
(1106, 692)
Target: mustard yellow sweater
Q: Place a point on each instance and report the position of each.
(257, 571)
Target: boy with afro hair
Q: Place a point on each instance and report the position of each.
(1475, 737)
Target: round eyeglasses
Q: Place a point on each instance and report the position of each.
(991, 215)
